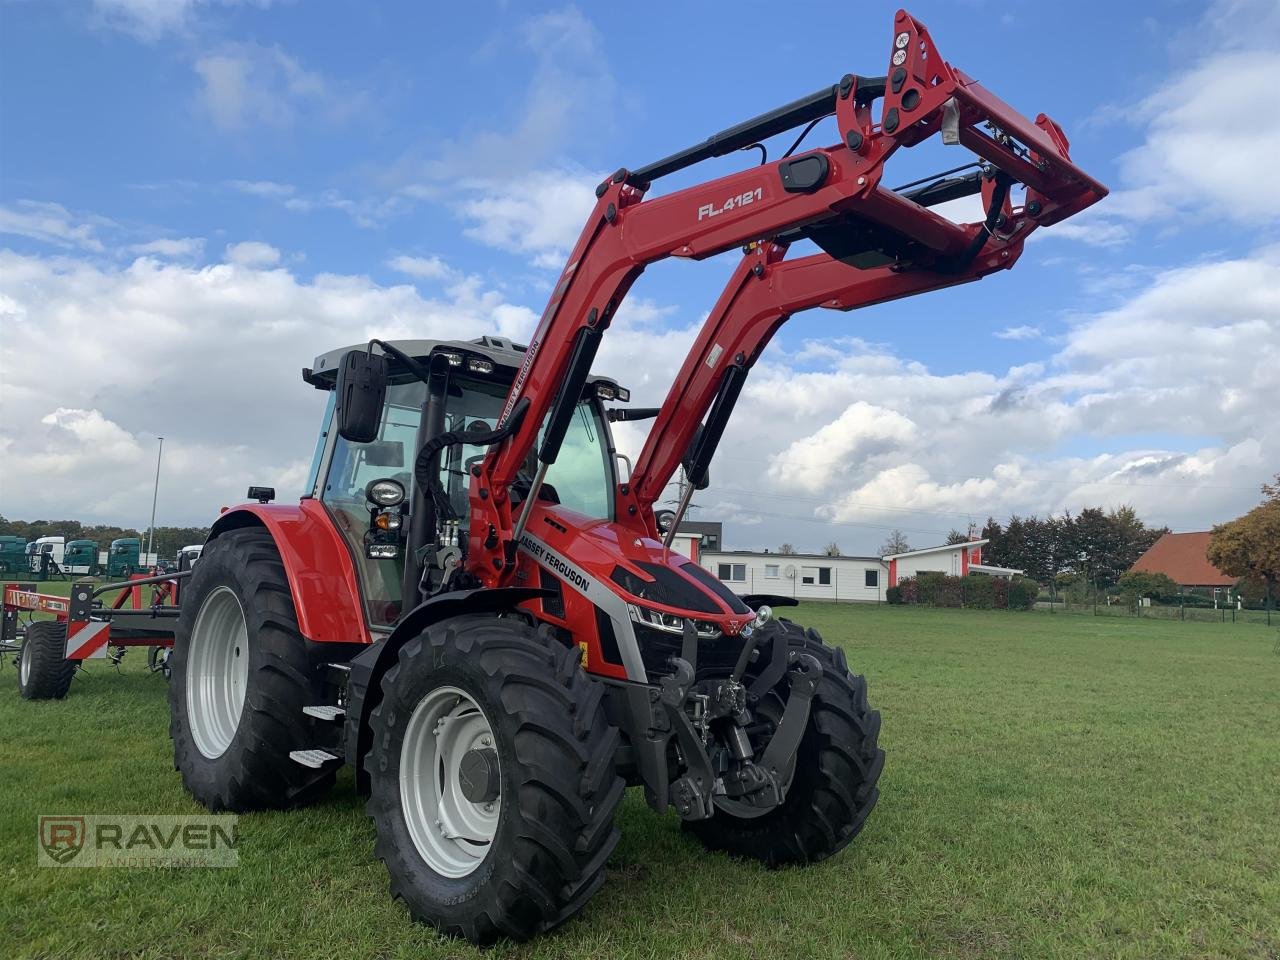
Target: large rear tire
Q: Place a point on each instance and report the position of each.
(44, 672)
(502, 828)
(837, 767)
(240, 676)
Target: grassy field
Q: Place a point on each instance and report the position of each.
(1056, 786)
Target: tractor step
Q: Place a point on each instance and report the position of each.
(324, 711)
(316, 759)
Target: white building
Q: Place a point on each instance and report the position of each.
(804, 576)
(810, 576)
(954, 559)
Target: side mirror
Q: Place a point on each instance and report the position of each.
(664, 519)
(361, 392)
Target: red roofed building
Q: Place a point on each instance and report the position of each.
(1182, 558)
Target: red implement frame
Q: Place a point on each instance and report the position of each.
(922, 96)
(91, 630)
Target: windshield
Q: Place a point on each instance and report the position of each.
(582, 476)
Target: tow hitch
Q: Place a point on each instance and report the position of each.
(739, 776)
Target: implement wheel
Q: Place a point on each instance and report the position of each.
(838, 764)
(240, 676)
(493, 779)
(44, 673)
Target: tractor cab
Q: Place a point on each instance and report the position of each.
(368, 485)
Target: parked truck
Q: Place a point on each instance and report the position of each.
(52, 547)
(81, 556)
(13, 554)
(125, 557)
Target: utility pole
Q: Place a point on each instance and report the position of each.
(155, 493)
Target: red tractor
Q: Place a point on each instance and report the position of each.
(472, 608)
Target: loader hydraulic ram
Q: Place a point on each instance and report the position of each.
(472, 609)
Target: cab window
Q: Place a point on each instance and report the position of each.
(352, 466)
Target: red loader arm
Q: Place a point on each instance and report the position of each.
(832, 195)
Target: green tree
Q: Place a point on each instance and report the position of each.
(1249, 546)
(1139, 583)
(955, 536)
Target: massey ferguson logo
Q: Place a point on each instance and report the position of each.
(62, 838)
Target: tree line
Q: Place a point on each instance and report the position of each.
(168, 540)
(1096, 544)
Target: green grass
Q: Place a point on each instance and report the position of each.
(1056, 786)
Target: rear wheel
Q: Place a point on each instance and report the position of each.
(240, 676)
(838, 764)
(493, 780)
(44, 672)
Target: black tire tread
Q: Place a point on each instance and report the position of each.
(51, 672)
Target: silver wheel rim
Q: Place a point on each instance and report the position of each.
(217, 672)
(452, 834)
(24, 665)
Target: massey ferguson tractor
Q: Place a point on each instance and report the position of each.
(473, 608)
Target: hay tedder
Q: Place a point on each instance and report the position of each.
(476, 612)
(83, 626)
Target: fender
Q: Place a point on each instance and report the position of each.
(364, 683)
(317, 562)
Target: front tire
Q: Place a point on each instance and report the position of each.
(838, 765)
(44, 672)
(551, 783)
(240, 676)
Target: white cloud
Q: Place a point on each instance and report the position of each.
(51, 223)
(422, 268)
(820, 460)
(540, 213)
(1023, 332)
(219, 378)
(1211, 142)
(252, 253)
(247, 85)
(1176, 385)
(174, 248)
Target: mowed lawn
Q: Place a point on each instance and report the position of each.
(1056, 786)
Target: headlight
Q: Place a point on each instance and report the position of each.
(384, 493)
(670, 623)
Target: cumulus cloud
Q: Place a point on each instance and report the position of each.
(540, 214)
(252, 253)
(218, 379)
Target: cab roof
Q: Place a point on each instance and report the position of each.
(505, 356)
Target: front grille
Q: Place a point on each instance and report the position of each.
(715, 586)
(554, 604)
(667, 588)
(716, 658)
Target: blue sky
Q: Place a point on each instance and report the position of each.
(219, 179)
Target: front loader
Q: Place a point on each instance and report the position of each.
(473, 609)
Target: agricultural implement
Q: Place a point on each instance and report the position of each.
(477, 613)
(85, 627)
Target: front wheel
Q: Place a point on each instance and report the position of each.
(838, 764)
(493, 779)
